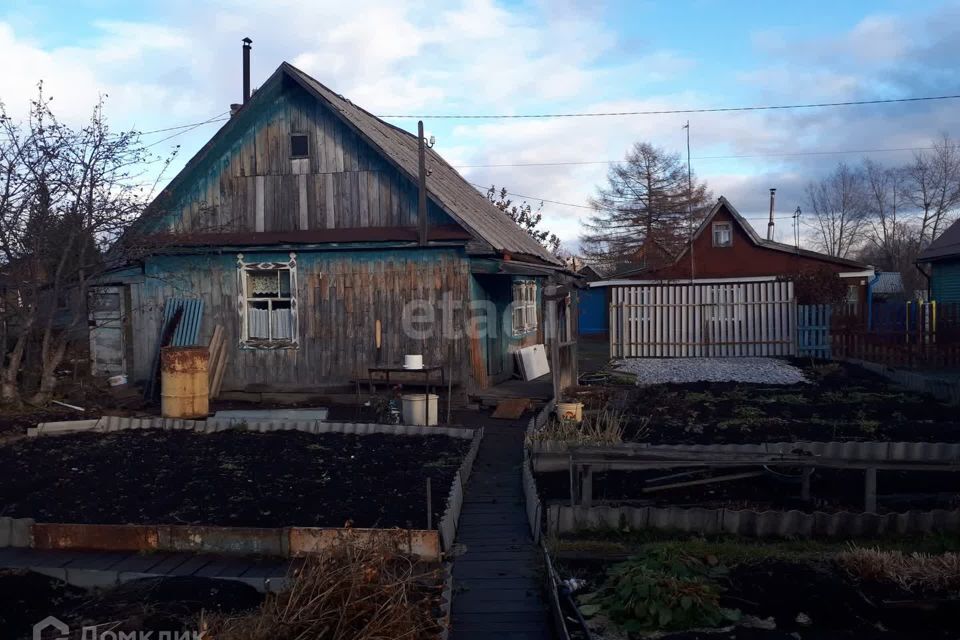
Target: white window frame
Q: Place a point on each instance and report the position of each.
(244, 297)
(722, 227)
(524, 314)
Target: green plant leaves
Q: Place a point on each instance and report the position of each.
(664, 588)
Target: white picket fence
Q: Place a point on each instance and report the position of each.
(726, 318)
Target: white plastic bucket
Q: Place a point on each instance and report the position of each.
(415, 409)
(413, 362)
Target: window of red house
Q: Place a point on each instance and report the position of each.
(722, 234)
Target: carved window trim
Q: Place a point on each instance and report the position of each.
(243, 297)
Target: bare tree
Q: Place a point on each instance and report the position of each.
(647, 198)
(933, 186)
(888, 225)
(69, 194)
(839, 206)
(526, 217)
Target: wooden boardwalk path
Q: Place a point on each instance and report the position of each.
(497, 581)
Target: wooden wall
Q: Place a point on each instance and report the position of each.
(340, 297)
(250, 183)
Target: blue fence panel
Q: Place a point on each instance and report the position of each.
(593, 311)
(813, 331)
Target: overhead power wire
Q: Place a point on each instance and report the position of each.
(583, 206)
(727, 157)
(658, 112)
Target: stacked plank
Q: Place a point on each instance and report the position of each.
(218, 361)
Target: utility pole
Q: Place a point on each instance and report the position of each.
(690, 200)
(422, 204)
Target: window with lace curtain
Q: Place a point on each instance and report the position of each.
(268, 303)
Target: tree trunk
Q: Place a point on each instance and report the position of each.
(9, 384)
(51, 359)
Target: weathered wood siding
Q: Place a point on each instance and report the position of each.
(341, 295)
(250, 183)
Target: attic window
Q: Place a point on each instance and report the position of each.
(299, 145)
(722, 234)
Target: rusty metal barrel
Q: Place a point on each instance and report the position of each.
(184, 382)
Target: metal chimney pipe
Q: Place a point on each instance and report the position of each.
(773, 195)
(246, 69)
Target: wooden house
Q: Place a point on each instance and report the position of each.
(942, 261)
(298, 226)
(726, 246)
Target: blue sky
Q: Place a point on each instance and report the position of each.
(170, 63)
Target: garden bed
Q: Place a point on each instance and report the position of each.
(230, 478)
(840, 402)
(771, 591)
(831, 490)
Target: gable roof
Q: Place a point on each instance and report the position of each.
(723, 203)
(494, 230)
(946, 246)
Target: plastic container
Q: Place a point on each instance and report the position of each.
(572, 411)
(415, 409)
(184, 383)
(413, 362)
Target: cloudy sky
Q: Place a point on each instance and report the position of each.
(164, 64)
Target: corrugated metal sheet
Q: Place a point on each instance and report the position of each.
(448, 524)
(188, 331)
(562, 519)
(887, 282)
(555, 456)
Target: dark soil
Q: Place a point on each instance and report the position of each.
(827, 601)
(15, 422)
(830, 489)
(155, 604)
(232, 478)
(842, 402)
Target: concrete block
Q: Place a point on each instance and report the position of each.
(69, 426)
(91, 578)
(6, 531)
(21, 532)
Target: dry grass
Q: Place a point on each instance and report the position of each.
(912, 572)
(602, 428)
(350, 592)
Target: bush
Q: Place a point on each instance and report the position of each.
(819, 286)
(663, 589)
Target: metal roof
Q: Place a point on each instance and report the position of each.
(946, 246)
(887, 282)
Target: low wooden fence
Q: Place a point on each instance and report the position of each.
(725, 318)
(924, 335)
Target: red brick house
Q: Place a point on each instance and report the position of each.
(726, 246)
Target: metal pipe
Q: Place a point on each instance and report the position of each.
(773, 193)
(246, 69)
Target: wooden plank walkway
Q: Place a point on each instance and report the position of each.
(497, 586)
(102, 569)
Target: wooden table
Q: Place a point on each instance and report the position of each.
(422, 377)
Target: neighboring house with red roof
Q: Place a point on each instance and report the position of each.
(726, 246)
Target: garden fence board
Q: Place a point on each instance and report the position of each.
(813, 331)
(728, 319)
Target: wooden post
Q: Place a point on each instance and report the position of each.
(586, 492)
(805, 484)
(870, 490)
(429, 504)
(422, 203)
